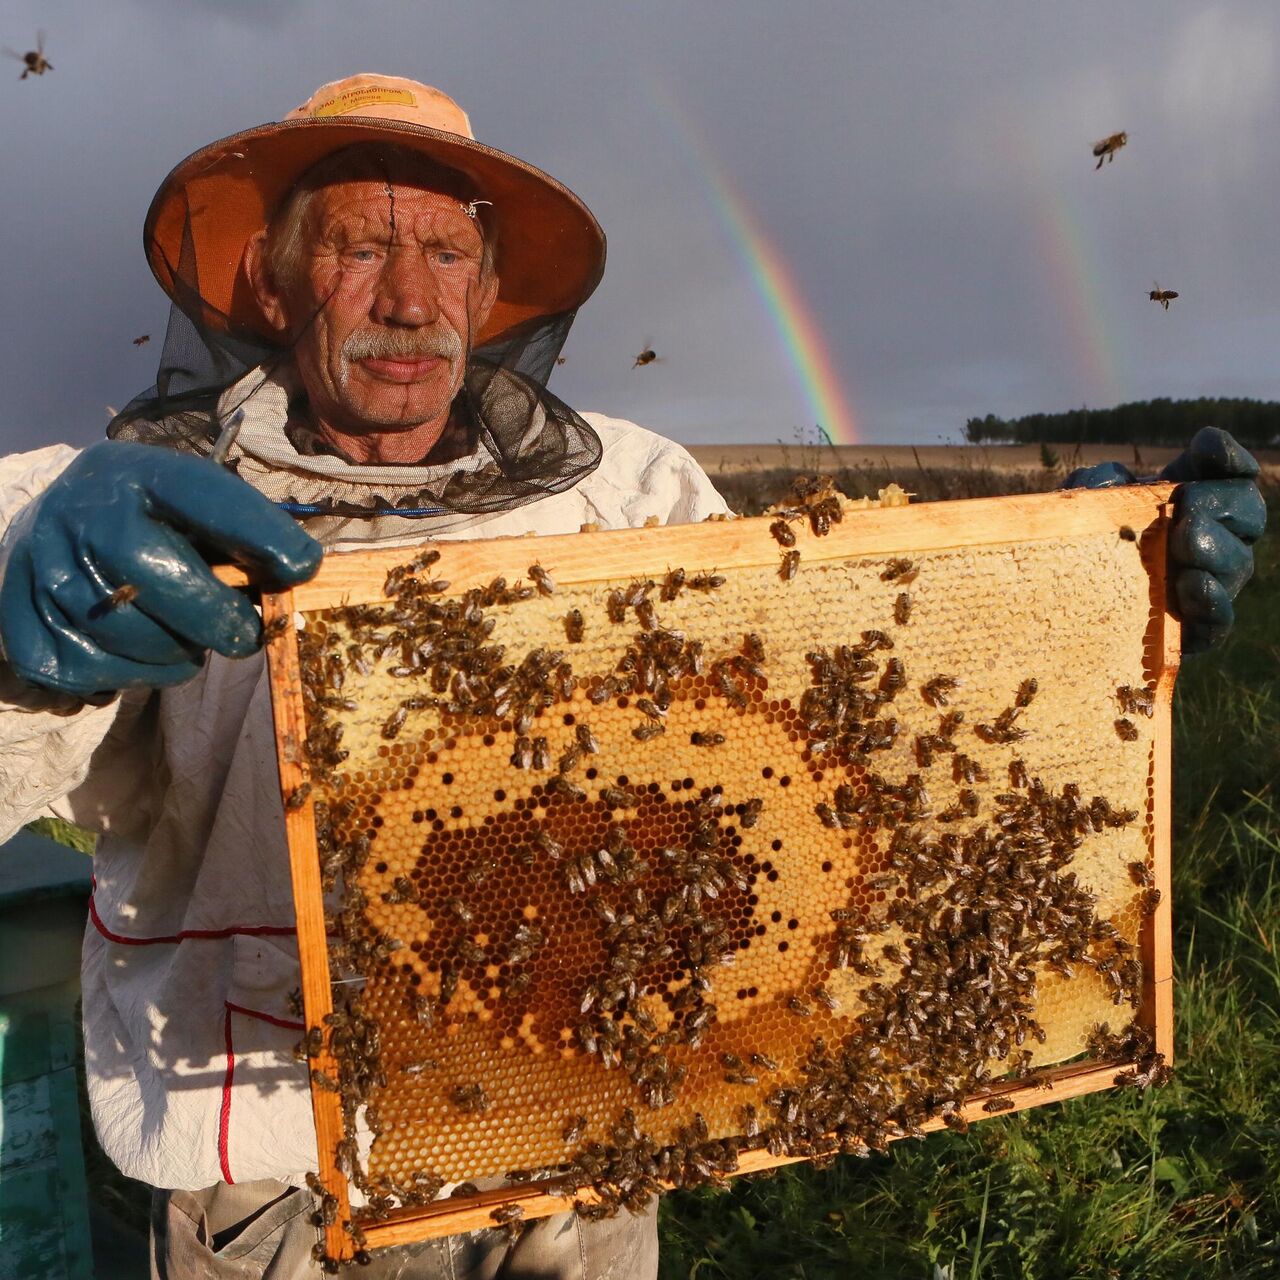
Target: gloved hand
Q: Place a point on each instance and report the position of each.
(1218, 515)
(143, 519)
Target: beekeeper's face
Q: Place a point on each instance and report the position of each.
(382, 294)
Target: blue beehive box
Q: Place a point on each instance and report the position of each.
(44, 1219)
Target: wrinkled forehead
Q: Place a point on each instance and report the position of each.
(390, 209)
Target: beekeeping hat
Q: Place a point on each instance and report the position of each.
(519, 442)
(550, 248)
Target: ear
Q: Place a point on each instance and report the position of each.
(269, 297)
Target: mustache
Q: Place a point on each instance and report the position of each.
(383, 344)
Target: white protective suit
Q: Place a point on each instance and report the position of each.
(189, 952)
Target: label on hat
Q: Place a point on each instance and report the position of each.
(353, 99)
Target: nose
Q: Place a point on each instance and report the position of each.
(408, 293)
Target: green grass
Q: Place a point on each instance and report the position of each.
(1182, 1181)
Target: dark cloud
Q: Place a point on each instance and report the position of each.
(922, 169)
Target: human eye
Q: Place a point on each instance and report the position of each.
(361, 255)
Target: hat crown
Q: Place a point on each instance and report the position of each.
(385, 98)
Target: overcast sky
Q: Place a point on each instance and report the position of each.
(920, 169)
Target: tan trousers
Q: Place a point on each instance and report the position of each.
(263, 1231)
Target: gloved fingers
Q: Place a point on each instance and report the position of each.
(1106, 475)
(229, 516)
(44, 648)
(1236, 504)
(1202, 599)
(117, 628)
(1200, 637)
(1199, 542)
(1213, 454)
(175, 587)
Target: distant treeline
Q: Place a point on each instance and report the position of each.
(1171, 422)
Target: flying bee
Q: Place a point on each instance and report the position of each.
(574, 628)
(542, 580)
(1126, 730)
(790, 565)
(34, 62)
(1107, 148)
(1162, 296)
(700, 739)
(647, 356)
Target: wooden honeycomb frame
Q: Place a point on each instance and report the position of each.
(1134, 517)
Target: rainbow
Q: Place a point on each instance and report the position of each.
(1071, 262)
(774, 282)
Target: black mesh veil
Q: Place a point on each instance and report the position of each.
(510, 441)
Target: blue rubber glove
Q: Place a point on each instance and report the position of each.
(1218, 515)
(141, 517)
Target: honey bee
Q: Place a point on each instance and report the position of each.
(541, 754)
(1107, 148)
(142, 339)
(1133, 700)
(1126, 730)
(298, 797)
(1026, 692)
(672, 584)
(700, 739)
(902, 609)
(275, 629)
(1162, 296)
(643, 732)
(936, 691)
(647, 356)
(573, 1130)
(799, 1008)
(574, 626)
(896, 570)
(586, 739)
(750, 814)
(322, 1080)
(1127, 533)
(470, 1098)
(783, 533)
(790, 565)
(542, 580)
(998, 1104)
(616, 607)
(1141, 875)
(34, 62)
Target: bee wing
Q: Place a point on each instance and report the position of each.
(40, 43)
(12, 53)
(1170, 293)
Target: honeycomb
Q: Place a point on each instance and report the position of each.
(883, 830)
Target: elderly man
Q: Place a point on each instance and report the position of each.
(375, 301)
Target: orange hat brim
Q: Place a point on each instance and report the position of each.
(551, 250)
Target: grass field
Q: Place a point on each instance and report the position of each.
(1178, 1182)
